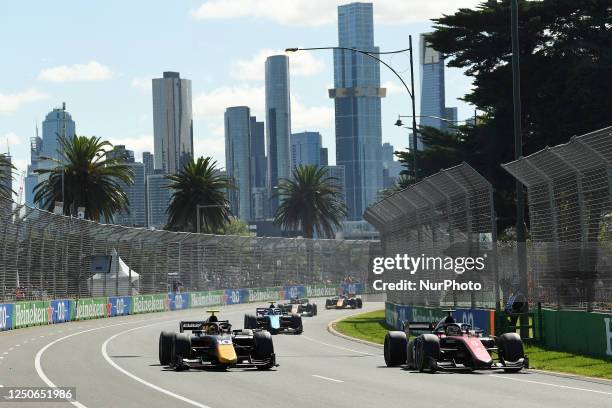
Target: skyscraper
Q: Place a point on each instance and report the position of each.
(305, 149)
(259, 162)
(391, 167)
(172, 122)
(158, 199)
(136, 215)
(324, 157)
(357, 95)
(278, 122)
(119, 151)
(237, 159)
(147, 160)
(31, 179)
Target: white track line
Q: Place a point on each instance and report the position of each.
(140, 380)
(327, 378)
(337, 347)
(551, 385)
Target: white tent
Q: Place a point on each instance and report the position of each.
(121, 280)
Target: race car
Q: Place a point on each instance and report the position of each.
(213, 343)
(298, 306)
(350, 301)
(453, 345)
(274, 320)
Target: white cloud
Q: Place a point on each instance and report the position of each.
(10, 103)
(319, 12)
(212, 104)
(92, 71)
(9, 138)
(139, 144)
(253, 69)
(394, 88)
(142, 83)
(315, 118)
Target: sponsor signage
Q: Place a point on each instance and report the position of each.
(31, 314)
(352, 288)
(294, 291)
(204, 299)
(61, 310)
(263, 294)
(150, 303)
(320, 290)
(120, 305)
(6, 316)
(178, 301)
(236, 296)
(91, 308)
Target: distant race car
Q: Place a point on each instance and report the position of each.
(453, 345)
(274, 320)
(213, 343)
(299, 306)
(344, 302)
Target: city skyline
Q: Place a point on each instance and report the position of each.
(120, 88)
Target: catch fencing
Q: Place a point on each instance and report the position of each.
(47, 256)
(569, 248)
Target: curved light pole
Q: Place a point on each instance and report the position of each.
(410, 92)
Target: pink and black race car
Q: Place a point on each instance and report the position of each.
(453, 345)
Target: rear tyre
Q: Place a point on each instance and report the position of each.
(510, 349)
(165, 347)
(426, 352)
(264, 349)
(359, 303)
(328, 303)
(395, 348)
(250, 321)
(296, 324)
(314, 309)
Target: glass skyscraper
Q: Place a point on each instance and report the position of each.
(158, 199)
(237, 159)
(259, 162)
(305, 149)
(278, 122)
(357, 94)
(172, 122)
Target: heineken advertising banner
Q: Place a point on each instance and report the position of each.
(150, 303)
(61, 310)
(205, 299)
(264, 294)
(120, 305)
(178, 301)
(236, 296)
(320, 290)
(294, 291)
(32, 314)
(91, 308)
(6, 316)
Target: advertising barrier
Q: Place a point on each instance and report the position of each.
(6, 316)
(24, 314)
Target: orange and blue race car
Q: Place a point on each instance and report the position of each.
(213, 343)
(453, 346)
(350, 301)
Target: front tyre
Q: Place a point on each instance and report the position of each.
(395, 348)
(165, 347)
(426, 352)
(510, 349)
(264, 349)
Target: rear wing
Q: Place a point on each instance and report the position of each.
(263, 311)
(407, 327)
(190, 325)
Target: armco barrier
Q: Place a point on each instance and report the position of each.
(25, 314)
(6, 316)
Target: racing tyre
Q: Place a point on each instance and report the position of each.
(250, 321)
(314, 309)
(328, 303)
(395, 348)
(426, 352)
(510, 349)
(359, 303)
(165, 347)
(181, 348)
(264, 349)
(410, 354)
(296, 324)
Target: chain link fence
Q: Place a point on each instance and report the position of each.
(451, 214)
(48, 256)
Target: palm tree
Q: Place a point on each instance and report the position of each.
(6, 175)
(85, 177)
(310, 202)
(199, 183)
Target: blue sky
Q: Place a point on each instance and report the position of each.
(99, 57)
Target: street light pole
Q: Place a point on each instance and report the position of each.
(372, 55)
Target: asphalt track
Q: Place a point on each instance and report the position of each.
(113, 363)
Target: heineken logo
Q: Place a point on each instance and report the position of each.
(261, 295)
(90, 310)
(207, 299)
(149, 304)
(30, 314)
(320, 291)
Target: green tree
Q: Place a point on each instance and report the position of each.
(6, 175)
(236, 227)
(565, 88)
(85, 177)
(310, 202)
(199, 183)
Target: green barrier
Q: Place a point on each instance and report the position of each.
(31, 314)
(204, 299)
(91, 308)
(579, 332)
(320, 290)
(149, 303)
(427, 314)
(264, 294)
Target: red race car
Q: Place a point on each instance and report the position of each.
(453, 345)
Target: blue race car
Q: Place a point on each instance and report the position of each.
(274, 320)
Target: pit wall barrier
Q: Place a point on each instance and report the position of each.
(587, 333)
(35, 313)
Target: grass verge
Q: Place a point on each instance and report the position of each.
(371, 326)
